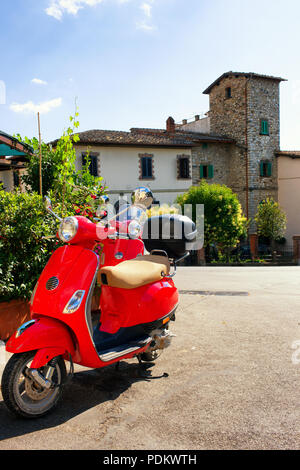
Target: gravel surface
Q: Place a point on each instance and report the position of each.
(230, 379)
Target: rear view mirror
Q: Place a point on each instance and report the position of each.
(48, 207)
(142, 197)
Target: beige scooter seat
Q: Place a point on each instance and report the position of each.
(136, 272)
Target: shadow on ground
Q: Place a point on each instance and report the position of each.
(87, 389)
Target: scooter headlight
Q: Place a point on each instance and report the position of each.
(68, 229)
(134, 229)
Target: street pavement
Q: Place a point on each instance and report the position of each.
(230, 379)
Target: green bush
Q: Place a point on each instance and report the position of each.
(224, 222)
(270, 220)
(23, 250)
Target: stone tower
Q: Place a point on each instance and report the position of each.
(245, 107)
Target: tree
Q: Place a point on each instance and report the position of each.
(26, 228)
(224, 223)
(31, 178)
(70, 190)
(271, 221)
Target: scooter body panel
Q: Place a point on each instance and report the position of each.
(75, 268)
(47, 336)
(116, 251)
(123, 308)
(72, 268)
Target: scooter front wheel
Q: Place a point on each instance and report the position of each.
(22, 395)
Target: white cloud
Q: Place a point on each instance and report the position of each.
(146, 9)
(58, 7)
(54, 10)
(38, 81)
(30, 107)
(144, 26)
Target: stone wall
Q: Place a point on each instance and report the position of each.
(229, 166)
(239, 117)
(228, 115)
(263, 103)
(215, 154)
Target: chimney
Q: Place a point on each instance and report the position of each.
(184, 121)
(170, 124)
(197, 117)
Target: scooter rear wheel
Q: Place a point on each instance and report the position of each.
(22, 395)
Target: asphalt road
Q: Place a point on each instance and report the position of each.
(232, 376)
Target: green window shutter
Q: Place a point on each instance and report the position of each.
(264, 127)
(267, 127)
(201, 171)
(261, 165)
(269, 169)
(210, 171)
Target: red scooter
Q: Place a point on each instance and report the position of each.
(138, 300)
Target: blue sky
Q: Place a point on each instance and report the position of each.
(133, 63)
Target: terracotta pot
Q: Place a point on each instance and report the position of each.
(12, 315)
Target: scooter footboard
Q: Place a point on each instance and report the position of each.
(49, 337)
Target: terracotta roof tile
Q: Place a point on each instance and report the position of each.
(288, 153)
(241, 74)
(147, 138)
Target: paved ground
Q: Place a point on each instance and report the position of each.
(231, 383)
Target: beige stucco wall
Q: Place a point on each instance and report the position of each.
(289, 193)
(201, 125)
(6, 177)
(119, 167)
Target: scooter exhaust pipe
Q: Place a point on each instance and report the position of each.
(161, 339)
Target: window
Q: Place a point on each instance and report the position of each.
(206, 171)
(183, 167)
(146, 167)
(265, 169)
(93, 166)
(228, 92)
(264, 127)
(204, 145)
